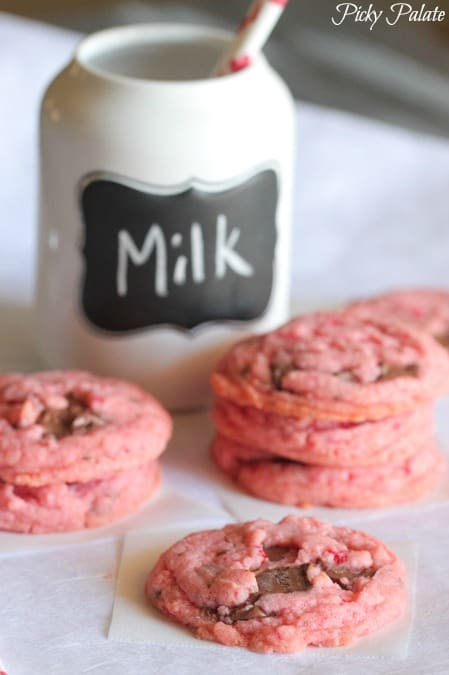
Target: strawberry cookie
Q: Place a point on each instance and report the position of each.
(280, 587)
(76, 450)
(335, 366)
(62, 507)
(71, 426)
(277, 479)
(326, 443)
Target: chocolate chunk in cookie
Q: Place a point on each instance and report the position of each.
(275, 553)
(345, 577)
(76, 418)
(283, 580)
(392, 372)
(268, 606)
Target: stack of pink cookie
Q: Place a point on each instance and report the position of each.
(332, 409)
(76, 451)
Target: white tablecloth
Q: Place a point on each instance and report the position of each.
(371, 211)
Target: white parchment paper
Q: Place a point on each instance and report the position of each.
(135, 620)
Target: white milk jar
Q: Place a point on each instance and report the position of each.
(165, 207)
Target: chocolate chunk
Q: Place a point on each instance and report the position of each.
(278, 580)
(76, 418)
(243, 613)
(275, 553)
(57, 423)
(283, 580)
(443, 339)
(345, 577)
(392, 372)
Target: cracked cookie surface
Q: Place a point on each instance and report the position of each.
(280, 587)
(335, 366)
(69, 426)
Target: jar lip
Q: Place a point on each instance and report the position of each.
(158, 33)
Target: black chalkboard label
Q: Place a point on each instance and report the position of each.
(186, 258)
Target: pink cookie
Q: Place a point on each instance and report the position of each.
(70, 426)
(287, 482)
(280, 587)
(425, 308)
(335, 366)
(322, 442)
(75, 506)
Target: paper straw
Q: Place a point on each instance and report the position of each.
(251, 36)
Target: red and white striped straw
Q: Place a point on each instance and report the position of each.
(251, 36)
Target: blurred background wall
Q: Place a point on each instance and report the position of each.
(397, 74)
